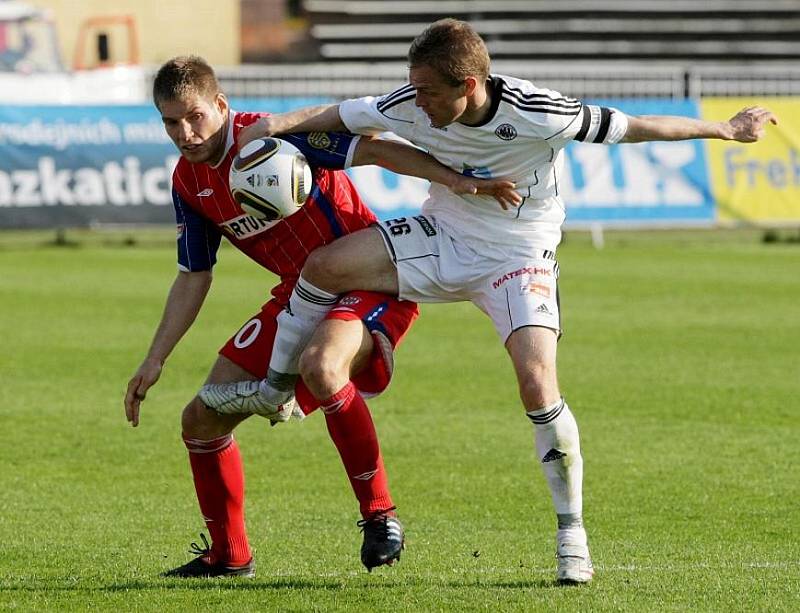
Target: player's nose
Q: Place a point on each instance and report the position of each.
(185, 131)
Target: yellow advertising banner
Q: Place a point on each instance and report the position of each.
(757, 182)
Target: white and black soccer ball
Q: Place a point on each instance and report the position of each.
(270, 178)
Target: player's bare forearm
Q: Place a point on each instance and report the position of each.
(323, 118)
(183, 304)
(186, 297)
(312, 119)
(656, 127)
(747, 126)
(402, 159)
(407, 160)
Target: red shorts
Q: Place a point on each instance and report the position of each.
(388, 320)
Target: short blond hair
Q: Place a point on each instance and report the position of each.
(183, 76)
(452, 48)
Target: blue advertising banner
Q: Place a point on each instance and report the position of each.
(642, 183)
(71, 165)
(68, 166)
(74, 166)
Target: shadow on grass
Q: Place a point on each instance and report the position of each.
(287, 584)
(182, 584)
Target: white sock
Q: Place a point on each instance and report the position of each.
(308, 306)
(559, 450)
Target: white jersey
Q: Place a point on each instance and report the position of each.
(522, 138)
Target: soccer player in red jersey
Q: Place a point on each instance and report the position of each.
(357, 338)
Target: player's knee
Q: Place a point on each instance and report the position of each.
(322, 371)
(317, 266)
(197, 421)
(323, 269)
(539, 387)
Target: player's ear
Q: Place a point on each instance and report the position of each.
(222, 103)
(470, 86)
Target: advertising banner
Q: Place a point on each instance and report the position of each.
(643, 183)
(73, 166)
(757, 182)
(67, 166)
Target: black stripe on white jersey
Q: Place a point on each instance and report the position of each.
(518, 92)
(542, 108)
(595, 125)
(388, 98)
(571, 106)
(586, 121)
(605, 123)
(394, 103)
(542, 99)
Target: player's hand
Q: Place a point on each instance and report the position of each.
(502, 190)
(143, 380)
(749, 124)
(263, 127)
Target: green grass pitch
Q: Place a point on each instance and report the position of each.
(680, 361)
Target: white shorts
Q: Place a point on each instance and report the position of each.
(515, 288)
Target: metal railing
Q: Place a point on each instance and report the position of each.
(580, 79)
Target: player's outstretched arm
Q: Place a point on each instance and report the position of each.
(310, 119)
(407, 160)
(183, 304)
(747, 126)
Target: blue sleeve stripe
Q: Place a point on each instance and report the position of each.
(327, 209)
(184, 259)
(199, 241)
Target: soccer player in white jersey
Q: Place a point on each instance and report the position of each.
(469, 248)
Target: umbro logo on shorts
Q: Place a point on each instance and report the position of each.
(206, 192)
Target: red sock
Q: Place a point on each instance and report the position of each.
(351, 428)
(219, 483)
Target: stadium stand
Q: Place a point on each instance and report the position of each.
(568, 29)
(587, 48)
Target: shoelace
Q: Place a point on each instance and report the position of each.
(377, 522)
(197, 550)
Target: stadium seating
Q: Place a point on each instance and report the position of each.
(587, 48)
(567, 29)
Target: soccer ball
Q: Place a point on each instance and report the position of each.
(270, 178)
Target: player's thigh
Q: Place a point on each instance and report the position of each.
(355, 261)
(356, 341)
(225, 370)
(338, 346)
(533, 354)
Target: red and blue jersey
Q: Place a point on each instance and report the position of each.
(205, 209)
